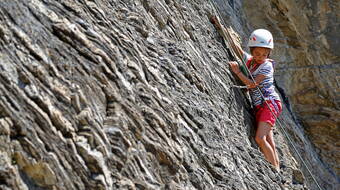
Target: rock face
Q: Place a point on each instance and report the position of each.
(136, 95)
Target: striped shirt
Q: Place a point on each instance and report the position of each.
(267, 85)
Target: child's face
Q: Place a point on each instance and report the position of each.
(260, 54)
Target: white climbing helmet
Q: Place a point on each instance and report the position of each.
(261, 38)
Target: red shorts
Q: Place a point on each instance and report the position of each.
(265, 115)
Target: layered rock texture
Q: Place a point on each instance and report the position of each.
(136, 94)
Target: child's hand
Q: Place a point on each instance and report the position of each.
(234, 67)
(253, 85)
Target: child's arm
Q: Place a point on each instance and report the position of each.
(226, 34)
(237, 48)
(249, 83)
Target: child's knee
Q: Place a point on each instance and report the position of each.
(260, 139)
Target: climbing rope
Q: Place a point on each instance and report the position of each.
(241, 87)
(229, 38)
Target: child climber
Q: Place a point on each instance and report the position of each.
(262, 69)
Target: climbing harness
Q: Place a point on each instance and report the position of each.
(229, 38)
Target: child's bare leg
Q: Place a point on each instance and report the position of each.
(271, 141)
(262, 133)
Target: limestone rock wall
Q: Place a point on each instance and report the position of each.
(132, 94)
